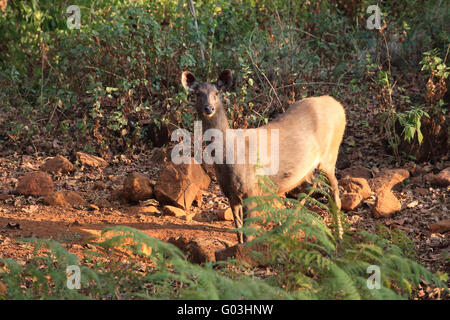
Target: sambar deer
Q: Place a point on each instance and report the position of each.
(309, 132)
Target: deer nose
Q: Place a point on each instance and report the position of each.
(209, 109)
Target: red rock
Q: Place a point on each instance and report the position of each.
(200, 250)
(243, 252)
(440, 227)
(388, 178)
(442, 179)
(386, 204)
(174, 211)
(144, 209)
(356, 185)
(350, 201)
(179, 242)
(179, 185)
(137, 187)
(65, 199)
(356, 172)
(90, 160)
(36, 183)
(225, 214)
(203, 249)
(58, 164)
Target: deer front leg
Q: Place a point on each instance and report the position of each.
(238, 215)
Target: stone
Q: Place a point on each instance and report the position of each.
(189, 217)
(35, 183)
(386, 204)
(144, 209)
(203, 249)
(243, 252)
(174, 211)
(137, 187)
(200, 250)
(442, 179)
(65, 199)
(179, 185)
(58, 164)
(356, 172)
(90, 160)
(225, 214)
(440, 227)
(388, 178)
(356, 185)
(349, 201)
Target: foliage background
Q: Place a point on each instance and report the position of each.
(105, 86)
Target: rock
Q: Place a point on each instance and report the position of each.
(144, 209)
(189, 217)
(200, 217)
(90, 160)
(388, 178)
(200, 250)
(440, 227)
(442, 179)
(356, 185)
(58, 164)
(386, 204)
(137, 187)
(179, 242)
(350, 201)
(243, 252)
(356, 172)
(412, 204)
(179, 185)
(225, 214)
(203, 249)
(174, 211)
(127, 244)
(65, 199)
(36, 183)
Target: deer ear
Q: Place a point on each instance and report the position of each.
(225, 79)
(188, 81)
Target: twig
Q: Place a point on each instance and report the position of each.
(268, 81)
(192, 9)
